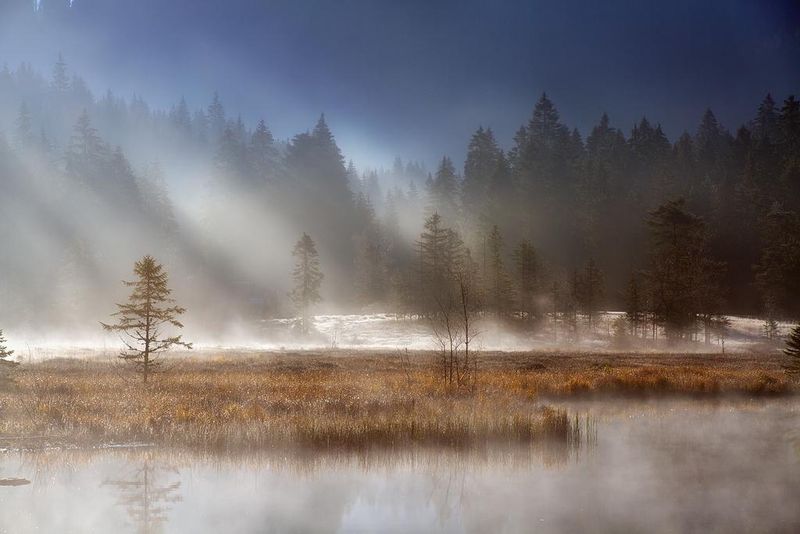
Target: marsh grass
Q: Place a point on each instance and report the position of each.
(338, 401)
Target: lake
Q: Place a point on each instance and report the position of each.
(657, 466)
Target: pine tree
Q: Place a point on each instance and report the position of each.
(181, 118)
(765, 125)
(24, 131)
(680, 268)
(527, 279)
(230, 158)
(370, 255)
(789, 124)
(262, 154)
(481, 164)
(86, 154)
(587, 290)
(778, 269)
(60, 81)
(430, 247)
(440, 255)
(4, 352)
(634, 305)
(141, 320)
(443, 191)
(793, 350)
(498, 288)
(307, 278)
(216, 118)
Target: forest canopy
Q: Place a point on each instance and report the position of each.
(88, 184)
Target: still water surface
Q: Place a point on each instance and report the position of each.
(662, 466)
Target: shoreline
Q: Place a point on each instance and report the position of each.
(352, 400)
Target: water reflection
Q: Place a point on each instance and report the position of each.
(640, 466)
(147, 492)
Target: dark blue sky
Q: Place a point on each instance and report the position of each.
(415, 78)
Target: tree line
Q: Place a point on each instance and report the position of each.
(555, 226)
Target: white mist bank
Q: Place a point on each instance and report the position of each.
(377, 331)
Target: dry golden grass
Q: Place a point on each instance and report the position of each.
(343, 400)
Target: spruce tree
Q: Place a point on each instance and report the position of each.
(307, 278)
(60, 82)
(497, 284)
(24, 130)
(679, 266)
(793, 350)
(634, 305)
(216, 118)
(443, 191)
(142, 319)
(483, 157)
(262, 154)
(527, 279)
(431, 250)
(591, 292)
(4, 352)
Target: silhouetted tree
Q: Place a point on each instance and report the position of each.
(527, 278)
(483, 158)
(778, 269)
(498, 287)
(793, 350)
(635, 306)
(443, 192)
(679, 266)
(589, 291)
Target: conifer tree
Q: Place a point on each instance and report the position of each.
(60, 81)
(430, 247)
(142, 319)
(680, 268)
(262, 154)
(4, 352)
(793, 350)
(307, 278)
(498, 288)
(483, 157)
(443, 191)
(527, 279)
(634, 305)
(216, 118)
(588, 290)
(181, 118)
(24, 131)
(370, 254)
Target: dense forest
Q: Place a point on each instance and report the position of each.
(672, 231)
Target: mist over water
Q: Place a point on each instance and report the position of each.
(659, 466)
(383, 332)
(307, 191)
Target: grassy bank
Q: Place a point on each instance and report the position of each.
(344, 400)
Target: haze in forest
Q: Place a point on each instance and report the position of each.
(539, 152)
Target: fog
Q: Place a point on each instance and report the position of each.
(106, 158)
(661, 467)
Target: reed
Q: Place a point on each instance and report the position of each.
(342, 401)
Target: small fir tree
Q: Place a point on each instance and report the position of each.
(141, 320)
